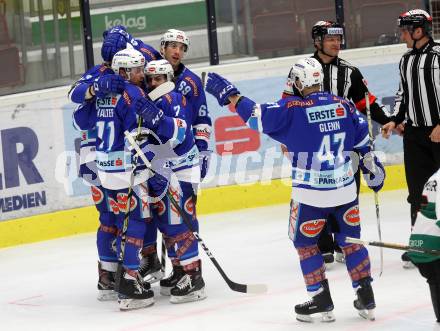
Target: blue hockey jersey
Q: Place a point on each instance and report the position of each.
(178, 151)
(190, 85)
(112, 116)
(77, 94)
(320, 132)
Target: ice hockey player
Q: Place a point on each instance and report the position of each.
(426, 234)
(185, 283)
(344, 80)
(173, 47)
(101, 80)
(320, 131)
(113, 114)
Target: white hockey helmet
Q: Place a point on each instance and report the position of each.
(127, 58)
(308, 71)
(160, 67)
(176, 36)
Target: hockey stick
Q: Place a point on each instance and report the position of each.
(203, 78)
(237, 287)
(153, 95)
(376, 194)
(401, 247)
(119, 270)
(163, 255)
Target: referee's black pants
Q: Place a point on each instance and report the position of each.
(422, 160)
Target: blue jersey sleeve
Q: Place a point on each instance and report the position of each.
(84, 117)
(190, 85)
(362, 138)
(149, 52)
(273, 119)
(77, 93)
(174, 125)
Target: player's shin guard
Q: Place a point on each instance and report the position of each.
(134, 293)
(133, 243)
(312, 266)
(365, 303)
(321, 303)
(106, 237)
(357, 262)
(191, 287)
(150, 267)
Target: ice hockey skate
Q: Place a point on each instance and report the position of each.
(328, 258)
(365, 303)
(191, 287)
(134, 293)
(150, 268)
(320, 303)
(340, 257)
(407, 263)
(106, 285)
(168, 283)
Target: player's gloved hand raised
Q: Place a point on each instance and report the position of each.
(106, 84)
(113, 29)
(373, 170)
(220, 88)
(204, 158)
(115, 39)
(149, 112)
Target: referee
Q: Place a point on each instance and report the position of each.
(418, 102)
(345, 80)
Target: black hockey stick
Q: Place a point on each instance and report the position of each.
(237, 287)
(401, 247)
(119, 270)
(163, 255)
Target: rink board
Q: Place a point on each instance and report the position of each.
(42, 198)
(210, 201)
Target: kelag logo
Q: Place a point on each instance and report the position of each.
(19, 149)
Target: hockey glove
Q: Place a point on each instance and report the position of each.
(106, 84)
(158, 185)
(220, 88)
(116, 28)
(373, 170)
(204, 158)
(112, 44)
(149, 112)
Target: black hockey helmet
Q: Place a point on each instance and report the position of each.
(323, 28)
(416, 18)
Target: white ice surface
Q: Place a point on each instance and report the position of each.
(52, 285)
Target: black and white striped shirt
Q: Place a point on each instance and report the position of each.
(418, 97)
(346, 81)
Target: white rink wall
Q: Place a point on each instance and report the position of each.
(38, 163)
